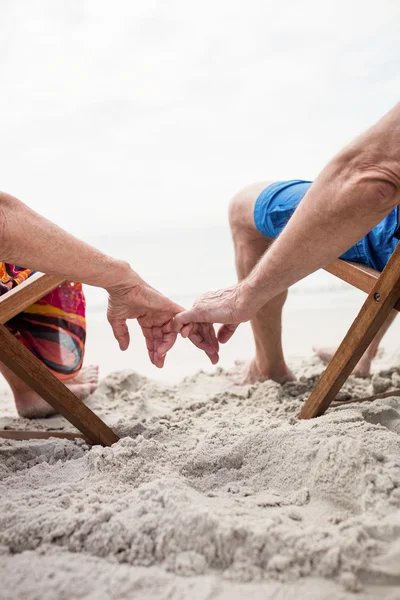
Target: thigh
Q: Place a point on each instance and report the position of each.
(241, 209)
(375, 249)
(54, 329)
(276, 204)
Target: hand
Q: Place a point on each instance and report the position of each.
(202, 335)
(135, 299)
(224, 306)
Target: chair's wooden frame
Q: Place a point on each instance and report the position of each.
(24, 364)
(383, 291)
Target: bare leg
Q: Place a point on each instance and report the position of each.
(250, 245)
(363, 368)
(30, 405)
(89, 374)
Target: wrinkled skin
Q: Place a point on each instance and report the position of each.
(224, 306)
(155, 314)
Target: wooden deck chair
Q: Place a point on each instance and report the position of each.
(24, 364)
(383, 291)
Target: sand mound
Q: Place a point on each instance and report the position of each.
(216, 491)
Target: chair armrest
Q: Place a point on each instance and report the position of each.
(27, 293)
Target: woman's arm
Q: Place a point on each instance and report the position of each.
(30, 240)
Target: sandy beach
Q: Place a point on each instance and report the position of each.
(132, 126)
(214, 492)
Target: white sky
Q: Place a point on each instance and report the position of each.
(126, 115)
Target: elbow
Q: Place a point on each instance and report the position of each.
(373, 186)
(377, 192)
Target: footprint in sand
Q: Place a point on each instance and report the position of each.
(387, 417)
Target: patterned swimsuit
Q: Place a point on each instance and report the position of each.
(54, 328)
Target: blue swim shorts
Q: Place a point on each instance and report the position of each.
(276, 204)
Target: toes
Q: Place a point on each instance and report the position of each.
(237, 369)
(93, 372)
(240, 373)
(238, 379)
(88, 374)
(83, 390)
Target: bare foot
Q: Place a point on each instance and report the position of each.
(31, 406)
(362, 368)
(89, 374)
(247, 373)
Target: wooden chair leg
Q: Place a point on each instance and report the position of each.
(15, 434)
(26, 366)
(371, 317)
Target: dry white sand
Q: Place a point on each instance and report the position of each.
(216, 492)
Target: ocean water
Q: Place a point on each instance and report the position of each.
(184, 263)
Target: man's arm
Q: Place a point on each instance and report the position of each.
(353, 193)
(28, 239)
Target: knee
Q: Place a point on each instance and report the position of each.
(235, 209)
(241, 210)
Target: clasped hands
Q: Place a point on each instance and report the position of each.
(161, 320)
